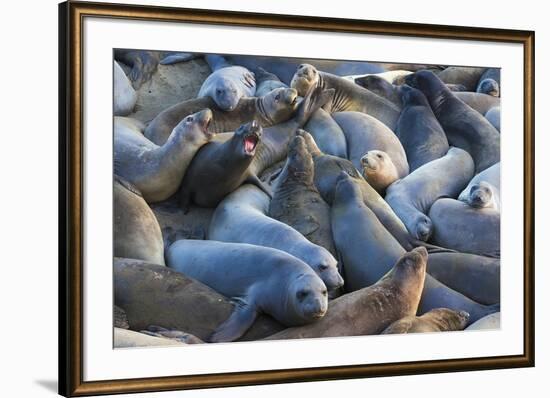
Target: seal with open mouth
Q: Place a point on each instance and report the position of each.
(220, 167)
(157, 171)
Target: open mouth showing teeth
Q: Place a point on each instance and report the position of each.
(250, 141)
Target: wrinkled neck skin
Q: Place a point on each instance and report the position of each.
(341, 98)
(263, 113)
(438, 97)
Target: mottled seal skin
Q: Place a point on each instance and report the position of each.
(478, 101)
(259, 279)
(130, 339)
(136, 231)
(490, 176)
(379, 170)
(489, 82)
(465, 128)
(437, 320)
(493, 116)
(327, 172)
(227, 85)
(155, 170)
(143, 64)
(242, 218)
(467, 76)
(347, 97)
(489, 322)
(220, 167)
(372, 309)
(125, 96)
(148, 293)
(365, 133)
(371, 246)
(418, 130)
(273, 108)
(460, 227)
(476, 277)
(412, 197)
(297, 202)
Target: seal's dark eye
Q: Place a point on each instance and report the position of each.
(302, 294)
(379, 156)
(277, 97)
(189, 119)
(324, 292)
(323, 267)
(218, 91)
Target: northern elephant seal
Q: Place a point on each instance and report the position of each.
(365, 133)
(155, 170)
(273, 108)
(220, 167)
(379, 170)
(297, 202)
(465, 128)
(381, 87)
(465, 75)
(476, 277)
(148, 293)
(418, 130)
(483, 195)
(143, 64)
(460, 227)
(259, 279)
(266, 82)
(489, 82)
(124, 95)
(489, 322)
(136, 231)
(371, 309)
(490, 175)
(242, 218)
(347, 97)
(478, 101)
(411, 197)
(436, 320)
(128, 338)
(390, 76)
(493, 116)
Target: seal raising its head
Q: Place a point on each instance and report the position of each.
(379, 170)
(482, 195)
(305, 78)
(279, 104)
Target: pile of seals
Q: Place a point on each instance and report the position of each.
(300, 198)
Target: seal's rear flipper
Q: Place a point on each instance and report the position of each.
(178, 57)
(236, 325)
(254, 180)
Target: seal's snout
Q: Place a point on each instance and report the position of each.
(204, 118)
(291, 96)
(252, 137)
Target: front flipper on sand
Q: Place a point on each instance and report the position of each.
(237, 324)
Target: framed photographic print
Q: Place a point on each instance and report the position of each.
(253, 199)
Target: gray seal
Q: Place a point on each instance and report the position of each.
(125, 96)
(465, 128)
(220, 167)
(136, 231)
(227, 85)
(242, 218)
(489, 195)
(365, 133)
(489, 82)
(297, 202)
(266, 82)
(493, 116)
(411, 197)
(465, 75)
(478, 101)
(372, 309)
(143, 64)
(273, 108)
(418, 130)
(258, 279)
(460, 227)
(476, 277)
(436, 320)
(155, 170)
(347, 97)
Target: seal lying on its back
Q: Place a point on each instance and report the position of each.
(327, 173)
(259, 279)
(476, 277)
(437, 320)
(364, 133)
(464, 127)
(297, 202)
(273, 108)
(460, 227)
(125, 96)
(418, 129)
(155, 170)
(372, 309)
(136, 231)
(434, 295)
(227, 85)
(489, 195)
(412, 197)
(347, 97)
(220, 167)
(242, 218)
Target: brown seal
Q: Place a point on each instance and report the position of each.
(436, 320)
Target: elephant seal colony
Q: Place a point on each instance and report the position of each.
(260, 198)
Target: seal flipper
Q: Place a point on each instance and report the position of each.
(237, 324)
(254, 180)
(175, 58)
